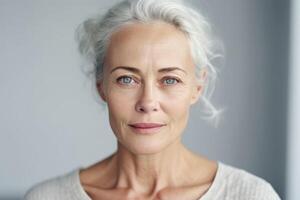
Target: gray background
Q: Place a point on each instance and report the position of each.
(50, 122)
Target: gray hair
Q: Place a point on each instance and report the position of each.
(93, 37)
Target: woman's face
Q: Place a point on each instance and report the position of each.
(149, 77)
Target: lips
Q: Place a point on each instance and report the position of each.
(146, 128)
(146, 125)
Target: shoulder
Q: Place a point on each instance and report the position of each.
(60, 187)
(241, 184)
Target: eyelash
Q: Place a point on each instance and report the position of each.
(165, 78)
(122, 77)
(172, 78)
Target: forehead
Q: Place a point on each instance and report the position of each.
(154, 44)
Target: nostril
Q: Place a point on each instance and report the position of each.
(146, 108)
(140, 108)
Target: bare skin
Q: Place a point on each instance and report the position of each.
(104, 180)
(154, 166)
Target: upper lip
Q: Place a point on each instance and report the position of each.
(146, 125)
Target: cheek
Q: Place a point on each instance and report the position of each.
(178, 108)
(178, 97)
(177, 104)
(118, 95)
(119, 104)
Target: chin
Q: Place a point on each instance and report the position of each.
(146, 148)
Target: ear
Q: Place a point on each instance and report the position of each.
(100, 90)
(199, 87)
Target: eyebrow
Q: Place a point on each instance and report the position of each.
(136, 70)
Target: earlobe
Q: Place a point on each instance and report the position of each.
(197, 94)
(99, 85)
(203, 74)
(200, 85)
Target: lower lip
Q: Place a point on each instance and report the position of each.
(146, 131)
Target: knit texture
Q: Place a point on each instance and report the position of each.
(230, 183)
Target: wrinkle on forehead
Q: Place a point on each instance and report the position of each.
(151, 46)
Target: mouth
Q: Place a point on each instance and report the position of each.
(146, 128)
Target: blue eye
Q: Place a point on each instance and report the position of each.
(171, 81)
(125, 80)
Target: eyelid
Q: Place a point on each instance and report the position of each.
(126, 76)
(135, 79)
(174, 78)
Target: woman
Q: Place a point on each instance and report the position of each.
(152, 61)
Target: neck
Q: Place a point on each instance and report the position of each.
(150, 173)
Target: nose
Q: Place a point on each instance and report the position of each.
(147, 101)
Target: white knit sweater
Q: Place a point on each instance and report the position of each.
(230, 183)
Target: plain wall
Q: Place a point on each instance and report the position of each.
(50, 122)
(293, 166)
